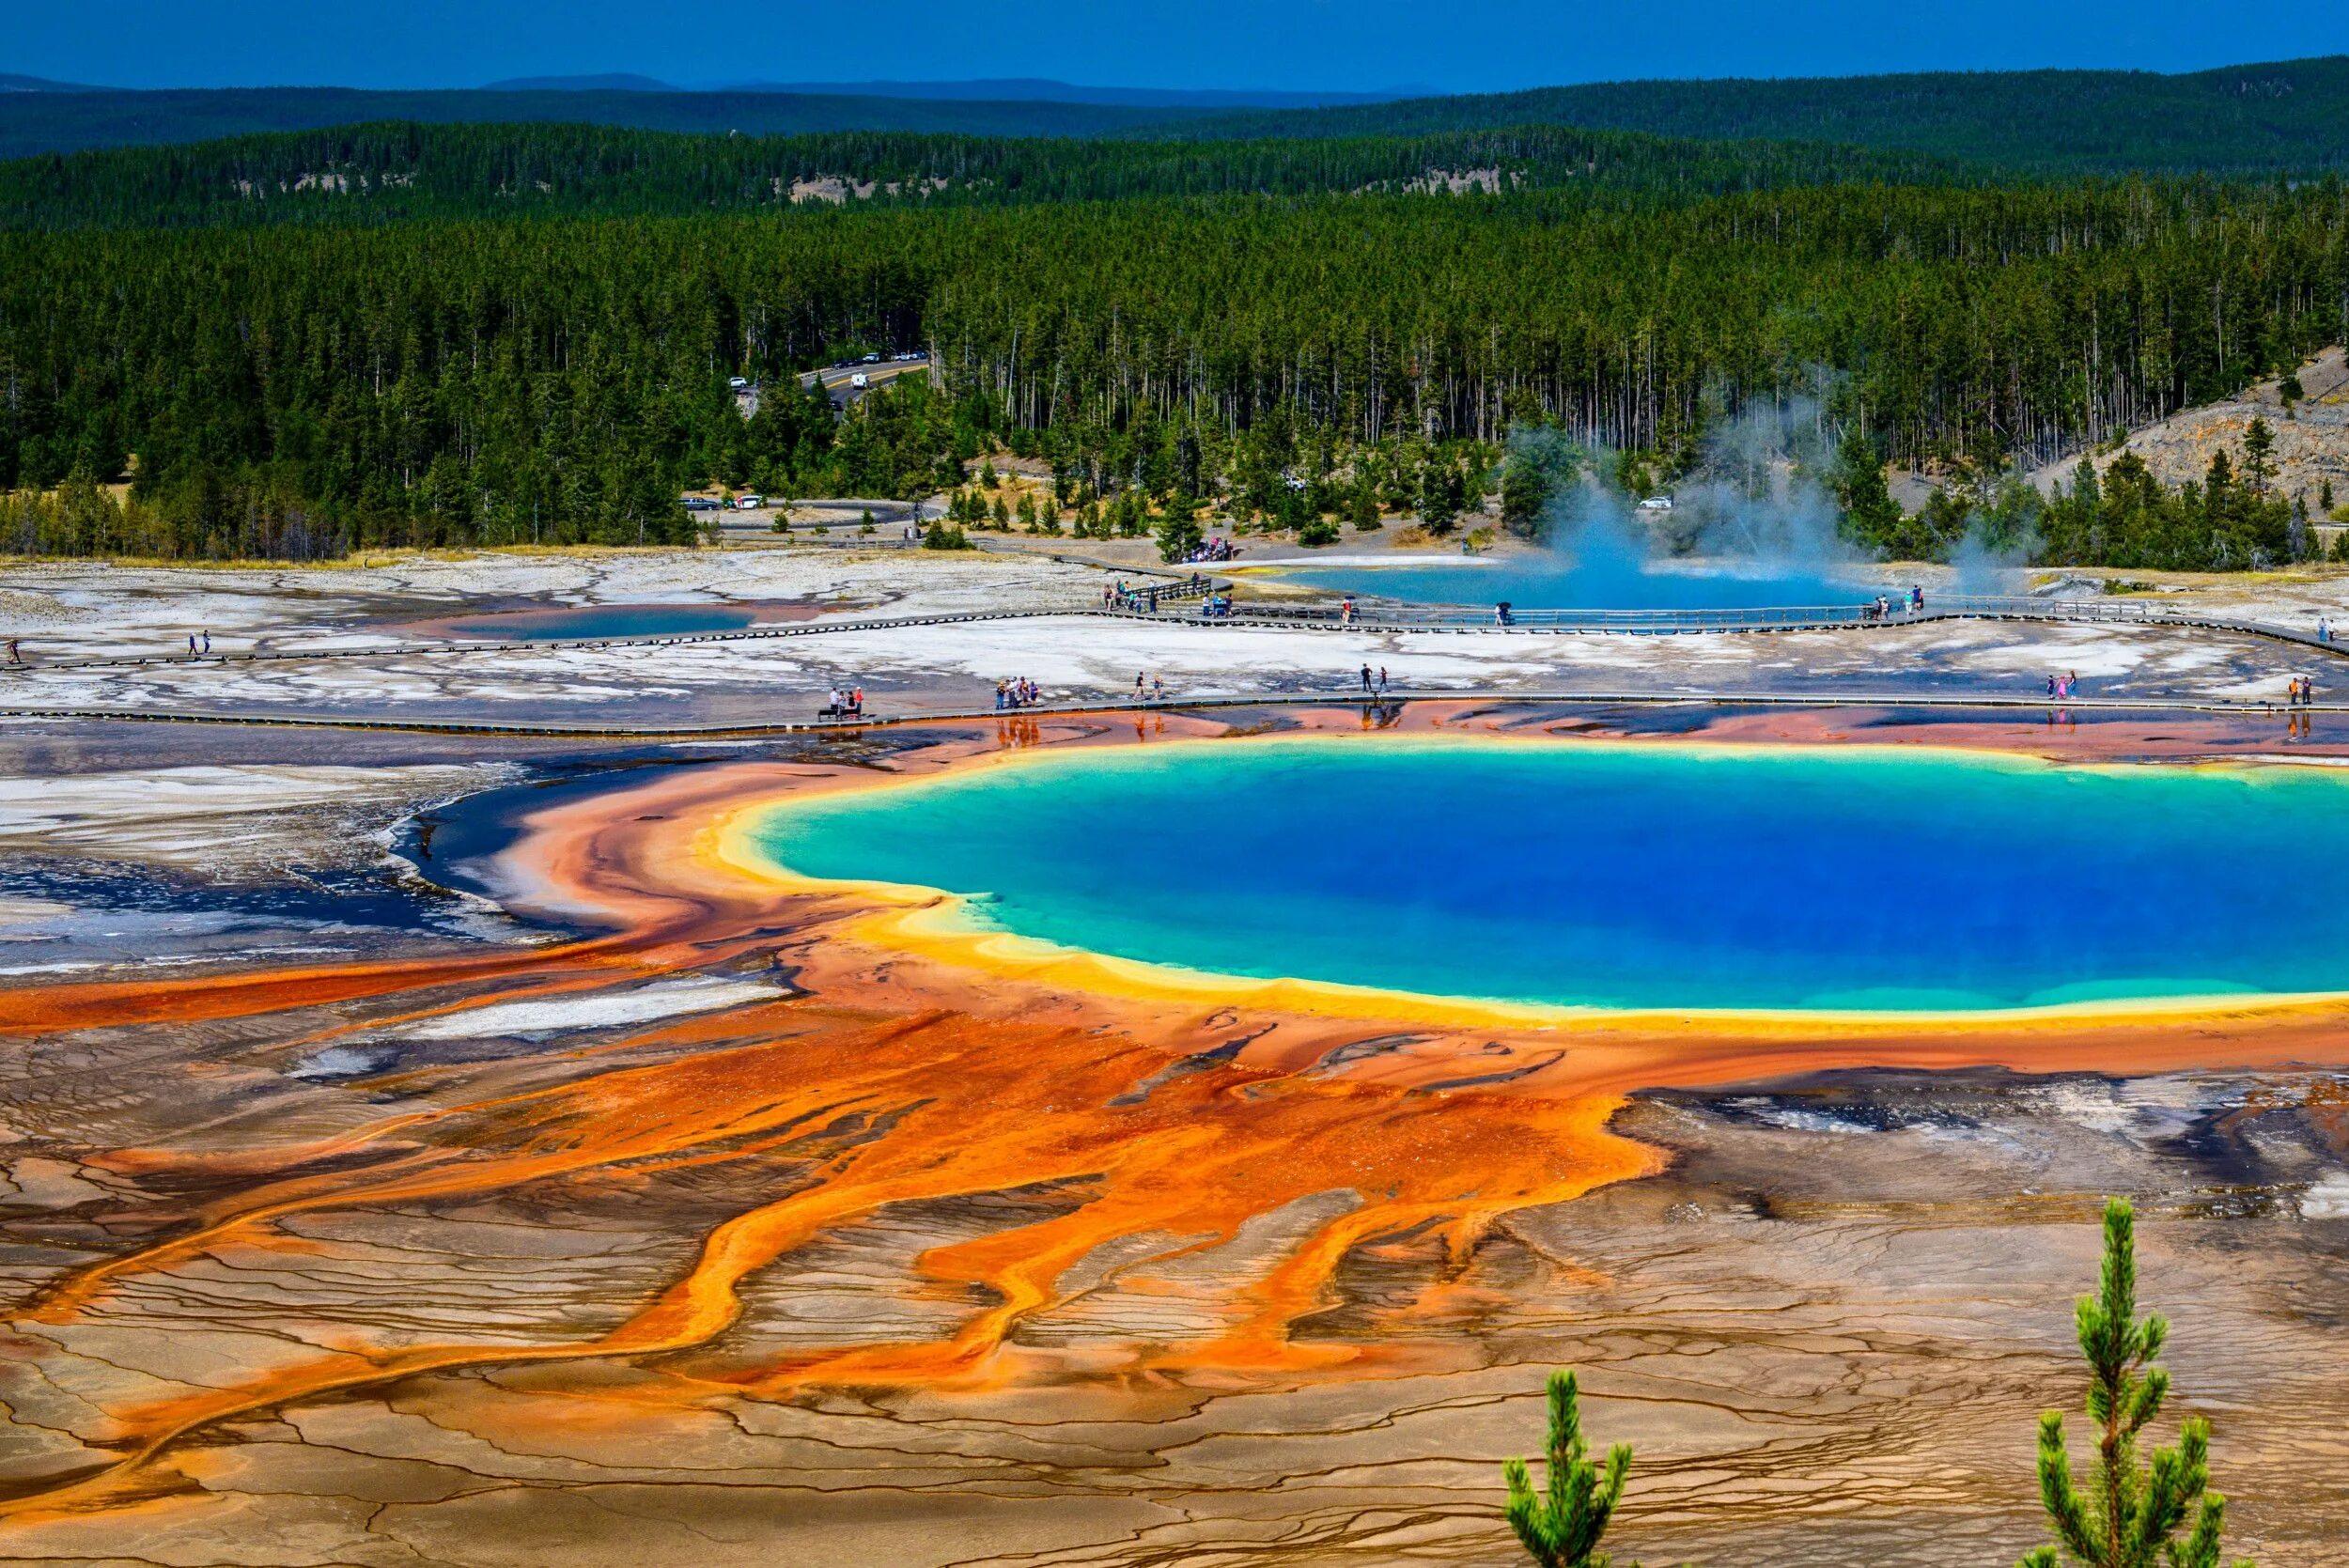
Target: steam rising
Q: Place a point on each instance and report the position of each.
(1753, 528)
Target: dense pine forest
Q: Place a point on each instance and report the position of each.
(311, 386)
(394, 172)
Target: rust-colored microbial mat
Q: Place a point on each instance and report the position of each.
(943, 1254)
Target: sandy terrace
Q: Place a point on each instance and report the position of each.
(92, 609)
(81, 608)
(954, 666)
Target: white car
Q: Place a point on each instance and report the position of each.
(750, 502)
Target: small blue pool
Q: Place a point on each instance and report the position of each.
(592, 621)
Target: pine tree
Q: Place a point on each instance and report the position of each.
(1561, 1526)
(1178, 537)
(2259, 456)
(2128, 1511)
(1871, 516)
(1443, 492)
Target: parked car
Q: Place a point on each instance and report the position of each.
(737, 382)
(750, 502)
(699, 503)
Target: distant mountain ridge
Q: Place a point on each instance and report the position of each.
(1038, 89)
(33, 122)
(2289, 116)
(2286, 114)
(13, 84)
(613, 82)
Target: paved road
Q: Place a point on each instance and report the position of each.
(840, 381)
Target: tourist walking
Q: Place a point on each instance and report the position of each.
(16, 651)
(1382, 680)
(1365, 680)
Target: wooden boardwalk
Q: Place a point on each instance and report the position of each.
(1346, 696)
(1368, 616)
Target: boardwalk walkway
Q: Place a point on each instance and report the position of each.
(1367, 616)
(1336, 696)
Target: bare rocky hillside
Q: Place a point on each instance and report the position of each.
(2311, 438)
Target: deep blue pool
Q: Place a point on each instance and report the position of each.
(1537, 583)
(1636, 875)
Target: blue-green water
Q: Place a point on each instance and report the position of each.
(588, 621)
(1641, 874)
(1549, 582)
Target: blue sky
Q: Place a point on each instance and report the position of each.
(1452, 45)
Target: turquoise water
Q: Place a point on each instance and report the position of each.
(590, 621)
(1642, 875)
(1545, 582)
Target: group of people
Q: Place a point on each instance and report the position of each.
(1118, 595)
(1018, 692)
(2299, 692)
(1370, 689)
(2064, 687)
(205, 638)
(1883, 608)
(1154, 689)
(1215, 549)
(843, 702)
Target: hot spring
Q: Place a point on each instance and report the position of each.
(1628, 875)
(590, 622)
(1549, 582)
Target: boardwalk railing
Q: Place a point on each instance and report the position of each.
(1389, 614)
(1368, 614)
